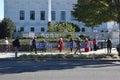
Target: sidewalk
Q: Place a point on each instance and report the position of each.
(12, 54)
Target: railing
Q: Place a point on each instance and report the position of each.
(99, 35)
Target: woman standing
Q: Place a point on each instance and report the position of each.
(86, 45)
(6, 44)
(60, 45)
(95, 44)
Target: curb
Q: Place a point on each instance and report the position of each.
(59, 59)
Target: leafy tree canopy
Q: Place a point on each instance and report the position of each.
(7, 28)
(63, 27)
(95, 12)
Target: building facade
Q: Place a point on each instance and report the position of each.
(34, 15)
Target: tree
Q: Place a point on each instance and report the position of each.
(7, 28)
(63, 27)
(95, 12)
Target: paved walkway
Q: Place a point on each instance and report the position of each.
(12, 54)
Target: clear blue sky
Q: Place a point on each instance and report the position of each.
(1, 9)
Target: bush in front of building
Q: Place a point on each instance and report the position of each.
(63, 27)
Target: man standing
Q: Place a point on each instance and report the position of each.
(109, 46)
(78, 45)
(34, 45)
(71, 44)
(16, 45)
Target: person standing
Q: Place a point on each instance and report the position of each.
(78, 47)
(86, 45)
(95, 44)
(60, 45)
(71, 44)
(109, 46)
(16, 45)
(34, 45)
(6, 44)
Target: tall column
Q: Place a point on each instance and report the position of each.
(49, 11)
(119, 32)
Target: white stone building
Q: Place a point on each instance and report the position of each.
(34, 15)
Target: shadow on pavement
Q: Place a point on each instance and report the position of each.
(7, 67)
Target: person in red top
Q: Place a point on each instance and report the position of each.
(60, 45)
(86, 45)
(95, 44)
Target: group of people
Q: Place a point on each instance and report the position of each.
(60, 44)
(87, 45)
(16, 45)
(71, 42)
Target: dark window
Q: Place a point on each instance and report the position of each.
(32, 15)
(42, 29)
(53, 15)
(83, 29)
(32, 29)
(42, 15)
(63, 15)
(21, 29)
(22, 15)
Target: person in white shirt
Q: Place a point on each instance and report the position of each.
(6, 44)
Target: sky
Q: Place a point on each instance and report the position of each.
(1, 9)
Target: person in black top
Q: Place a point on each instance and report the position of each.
(16, 45)
(109, 46)
(34, 45)
(71, 44)
(78, 45)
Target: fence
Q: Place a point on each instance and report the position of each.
(98, 35)
(101, 36)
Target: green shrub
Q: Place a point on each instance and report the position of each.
(68, 56)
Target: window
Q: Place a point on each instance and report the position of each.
(32, 15)
(53, 15)
(72, 17)
(63, 15)
(22, 15)
(42, 15)
(42, 29)
(32, 29)
(21, 29)
(83, 29)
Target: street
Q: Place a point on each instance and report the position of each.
(59, 70)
